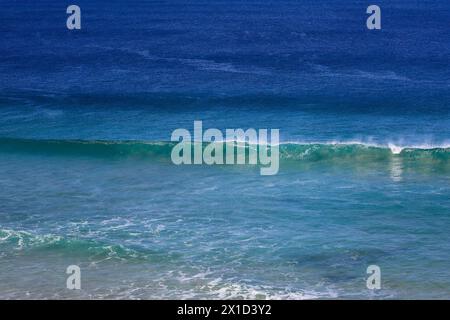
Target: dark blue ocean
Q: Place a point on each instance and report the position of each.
(86, 177)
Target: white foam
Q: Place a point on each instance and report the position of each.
(395, 149)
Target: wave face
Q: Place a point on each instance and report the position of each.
(288, 151)
(102, 149)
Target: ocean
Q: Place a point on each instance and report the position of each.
(86, 176)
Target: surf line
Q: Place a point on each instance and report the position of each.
(231, 150)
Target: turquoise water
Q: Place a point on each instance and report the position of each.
(141, 227)
(86, 178)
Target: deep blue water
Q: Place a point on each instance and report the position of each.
(85, 170)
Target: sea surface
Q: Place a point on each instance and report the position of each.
(86, 177)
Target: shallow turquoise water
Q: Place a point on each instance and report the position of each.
(145, 228)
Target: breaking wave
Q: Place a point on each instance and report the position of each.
(162, 149)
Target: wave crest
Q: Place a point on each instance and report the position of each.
(162, 150)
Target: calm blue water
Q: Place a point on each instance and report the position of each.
(85, 170)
